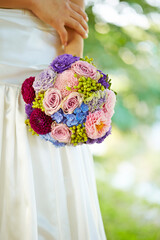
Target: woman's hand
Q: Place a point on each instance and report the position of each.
(57, 13)
(61, 13)
(66, 16)
(75, 41)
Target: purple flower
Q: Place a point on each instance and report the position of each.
(91, 141)
(63, 62)
(28, 109)
(44, 80)
(104, 80)
(97, 101)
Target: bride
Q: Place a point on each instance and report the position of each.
(46, 193)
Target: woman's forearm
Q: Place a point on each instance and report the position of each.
(26, 4)
(75, 40)
(75, 43)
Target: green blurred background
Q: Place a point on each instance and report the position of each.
(124, 40)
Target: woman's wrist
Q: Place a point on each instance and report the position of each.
(72, 49)
(75, 43)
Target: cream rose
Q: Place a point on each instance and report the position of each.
(52, 101)
(71, 102)
(60, 132)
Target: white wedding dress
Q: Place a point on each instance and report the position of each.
(46, 193)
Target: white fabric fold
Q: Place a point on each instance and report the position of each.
(46, 193)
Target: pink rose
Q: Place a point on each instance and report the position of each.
(66, 79)
(71, 102)
(108, 107)
(83, 68)
(52, 101)
(60, 132)
(97, 124)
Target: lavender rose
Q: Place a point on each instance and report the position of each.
(82, 68)
(52, 101)
(60, 132)
(71, 102)
(44, 80)
(63, 62)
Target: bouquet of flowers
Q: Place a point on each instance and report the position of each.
(70, 102)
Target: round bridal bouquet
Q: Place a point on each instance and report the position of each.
(70, 102)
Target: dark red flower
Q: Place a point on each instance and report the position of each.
(27, 90)
(40, 122)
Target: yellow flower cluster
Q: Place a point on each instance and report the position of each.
(87, 59)
(78, 134)
(86, 86)
(27, 122)
(38, 101)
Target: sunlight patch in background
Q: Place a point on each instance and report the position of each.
(121, 14)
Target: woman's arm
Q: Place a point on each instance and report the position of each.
(57, 13)
(26, 4)
(75, 41)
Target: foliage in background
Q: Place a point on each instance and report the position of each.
(128, 164)
(132, 55)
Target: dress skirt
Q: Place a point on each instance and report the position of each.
(46, 193)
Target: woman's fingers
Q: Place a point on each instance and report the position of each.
(63, 34)
(79, 19)
(62, 13)
(72, 23)
(79, 10)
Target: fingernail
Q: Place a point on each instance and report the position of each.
(63, 46)
(87, 18)
(86, 35)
